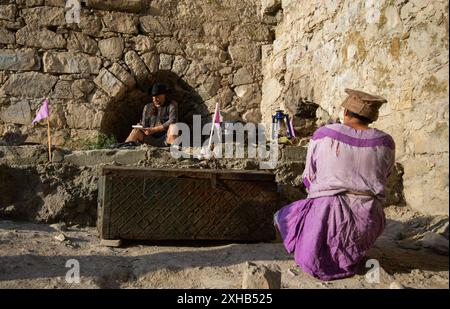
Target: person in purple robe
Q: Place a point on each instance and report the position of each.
(346, 172)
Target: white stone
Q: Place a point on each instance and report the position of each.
(112, 48)
(165, 62)
(143, 44)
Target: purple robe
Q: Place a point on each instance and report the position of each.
(330, 231)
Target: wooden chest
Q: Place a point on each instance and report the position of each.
(186, 204)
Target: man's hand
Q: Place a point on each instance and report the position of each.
(149, 131)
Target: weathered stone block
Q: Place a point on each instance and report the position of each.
(112, 48)
(20, 60)
(151, 60)
(96, 157)
(209, 53)
(42, 38)
(29, 84)
(165, 62)
(115, 243)
(91, 24)
(110, 84)
(81, 88)
(121, 22)
(44, 16)
(78, 41)
(143, 44)
(180, 65)
(169, 46)
(63, 90)
(8, 12)
(247, 92)
(209, 87)
(138, 68)
(244, 53)
(252, 115)
(123, 75)
(83, 116)
(19, 113)
(7, 37)
(156, 25)
(71, 62)
(242, 77)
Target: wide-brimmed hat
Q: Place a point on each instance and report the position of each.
(363, 103)
(158, 89)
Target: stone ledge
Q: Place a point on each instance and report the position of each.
(105, 156)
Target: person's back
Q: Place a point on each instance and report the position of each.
(349, 159)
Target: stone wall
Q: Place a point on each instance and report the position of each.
(97, 73)
(397, 49)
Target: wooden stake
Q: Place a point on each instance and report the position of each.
(49, 140)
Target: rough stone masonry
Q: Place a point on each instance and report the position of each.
(394, 48)
(97, 73)
(252, 56)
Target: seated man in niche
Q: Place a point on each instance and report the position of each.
(159, 120)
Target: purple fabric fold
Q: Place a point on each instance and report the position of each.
(384, 140)
(306, 182)
(329, 236)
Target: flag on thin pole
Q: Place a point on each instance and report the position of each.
(43, 113)
(215, 123)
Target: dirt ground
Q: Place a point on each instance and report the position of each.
(31, 257)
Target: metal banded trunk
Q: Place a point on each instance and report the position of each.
(186, 204)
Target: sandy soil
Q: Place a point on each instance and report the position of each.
(31, 257)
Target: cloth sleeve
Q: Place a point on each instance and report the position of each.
(144, 121)
(173, 115)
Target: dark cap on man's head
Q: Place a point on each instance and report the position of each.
(363, 103)
(158, 89)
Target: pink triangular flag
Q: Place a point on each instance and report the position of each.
(216, 119)
(42, 113)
